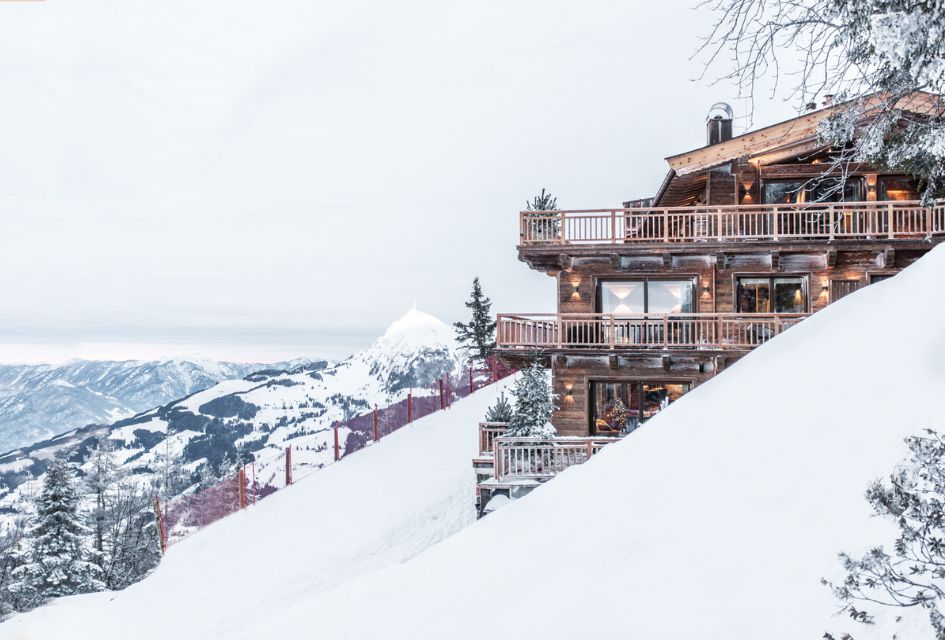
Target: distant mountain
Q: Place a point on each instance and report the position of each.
(41, 401)
(258, 415)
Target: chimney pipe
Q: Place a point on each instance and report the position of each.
(719, 123)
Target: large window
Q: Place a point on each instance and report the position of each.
(772, 295)
(632, 297)
(813, 190)
(619, 407)
(897, 188)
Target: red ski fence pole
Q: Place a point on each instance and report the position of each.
(471, 385)
(337, 450)
(254, 483)
(442, 398)
(288, 466)
(377, 431)
(159, 521)
(410, 406)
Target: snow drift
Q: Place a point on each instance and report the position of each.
(716, 520)
(377, 507)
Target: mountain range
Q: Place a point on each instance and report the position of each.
(253, 417)
(41, 401)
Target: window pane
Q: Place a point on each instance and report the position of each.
(622, 298)
(897, 188)
(670, 296)
(790, 295)
(782, 191)
(615, 407)
(658, 396)
(754, 295)
(829, 190)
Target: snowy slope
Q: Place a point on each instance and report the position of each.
(716, 520)
(376, 508)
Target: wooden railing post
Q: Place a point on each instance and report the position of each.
(561, 230)
(718, 215)
(830, 220)
(774, 222)
(891, 221)
(665, 331)
(590, 449)
(665, 225)
(613, 331)
(560, 329)
(613, 227)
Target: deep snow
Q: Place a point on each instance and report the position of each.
(378, 507)
(717, 519)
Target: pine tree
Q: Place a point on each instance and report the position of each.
(543, 202)
(477, 335)
(542, 226)
(501, 411)
(534, 404)
(57, 563)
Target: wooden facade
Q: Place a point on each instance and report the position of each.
(741, 243)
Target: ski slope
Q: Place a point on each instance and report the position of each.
(716, 520)
(378, 507)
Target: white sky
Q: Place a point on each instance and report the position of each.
(260, 180)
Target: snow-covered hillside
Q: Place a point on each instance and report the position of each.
(256, 415)
(715, 520)
(374, 509)
(40, 401)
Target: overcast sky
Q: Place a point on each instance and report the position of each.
(261, 180)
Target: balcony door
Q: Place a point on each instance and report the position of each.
(645, 296)
(638, 306)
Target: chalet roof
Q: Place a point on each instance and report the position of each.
(797, 135)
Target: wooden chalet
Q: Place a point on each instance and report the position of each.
(745, 238)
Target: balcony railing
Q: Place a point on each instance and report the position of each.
(711, 331)
(489, 431)
(809, 221)
(540, 458)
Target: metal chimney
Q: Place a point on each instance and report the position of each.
(719, 123)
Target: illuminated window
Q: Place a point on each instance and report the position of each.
(897, 188)
(772, 295)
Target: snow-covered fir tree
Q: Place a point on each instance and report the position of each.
(542, 202)
(501, 411)
(57, 562)
(534, 404)
(478, 335)
(910, 572)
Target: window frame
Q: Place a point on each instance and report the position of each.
(646, 279)
(590, 396)
(771, 278)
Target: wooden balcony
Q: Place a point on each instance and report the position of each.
(540, 459)
(902, 220)
(681, 331)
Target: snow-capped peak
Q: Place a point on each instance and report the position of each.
(422, 326)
